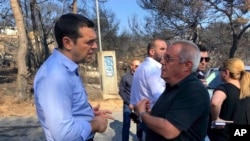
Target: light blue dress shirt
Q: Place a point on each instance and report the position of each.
(147, 82)
(61, 100)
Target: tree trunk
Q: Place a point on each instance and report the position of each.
(21, 81)
(36, 49)
(41, 48)
(44, 37)
(236, 40)
(74, 6)
(234, 46)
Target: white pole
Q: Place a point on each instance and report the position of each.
(98, 25)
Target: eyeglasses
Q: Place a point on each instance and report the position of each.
(168, 58)
(205, 58)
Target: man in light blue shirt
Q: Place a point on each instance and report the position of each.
(147, 81)
(60, 97)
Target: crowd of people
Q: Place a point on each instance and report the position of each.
(166, 92)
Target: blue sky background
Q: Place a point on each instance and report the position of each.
(124, 10)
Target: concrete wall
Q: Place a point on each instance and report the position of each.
(108, 72)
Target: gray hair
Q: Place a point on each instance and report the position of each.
(189, 52)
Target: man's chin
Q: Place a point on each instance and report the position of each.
(83, 61)
(202, 69)
(87, 59)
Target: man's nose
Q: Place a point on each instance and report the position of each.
(95, 46)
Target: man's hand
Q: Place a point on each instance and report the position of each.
(105, 113)
(142, 106)
(99, 124)
(204, 82)
(131, 107)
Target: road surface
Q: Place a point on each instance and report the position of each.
(28, 129)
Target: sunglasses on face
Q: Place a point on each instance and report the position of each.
(205, 58)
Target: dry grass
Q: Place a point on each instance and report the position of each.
(9, 106)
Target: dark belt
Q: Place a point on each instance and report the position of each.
(90, 139)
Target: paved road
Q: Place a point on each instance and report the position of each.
(20, 129)
(114, 131)
(28, 129)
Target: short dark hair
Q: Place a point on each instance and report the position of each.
(151, 44)
(68, 25)
(202, 48)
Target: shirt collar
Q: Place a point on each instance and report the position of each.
(183, 81)
(64, 60)
(158, 64)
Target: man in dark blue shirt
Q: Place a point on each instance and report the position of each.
(181, 112)
(124, 92)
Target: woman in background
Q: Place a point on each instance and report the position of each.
(231, 100)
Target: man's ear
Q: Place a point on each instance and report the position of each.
(67, 43)
(151, 52)
(188, 65)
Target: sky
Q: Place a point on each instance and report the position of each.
(125, 9)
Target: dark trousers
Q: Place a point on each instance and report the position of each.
(140, 128)
(126, 122)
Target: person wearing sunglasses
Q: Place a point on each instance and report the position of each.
(124, 92)
(201, 72)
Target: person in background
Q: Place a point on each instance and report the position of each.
(124, 92)
(181, 112)
(231, 100)
(147, 82)
(61, 100)
(201, 72)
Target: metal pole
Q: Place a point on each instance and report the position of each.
(98, 25)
